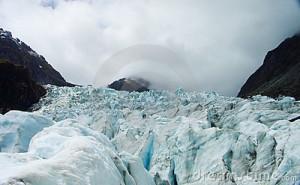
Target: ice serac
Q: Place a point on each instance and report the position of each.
(103, 136)
(69, 152)
(17, 128)
(188, 137)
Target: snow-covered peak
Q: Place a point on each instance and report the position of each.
(19, 53)
(8, 35)
(5, 34)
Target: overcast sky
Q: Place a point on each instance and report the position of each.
(219, 42)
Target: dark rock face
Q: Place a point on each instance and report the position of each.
(17, 90)
(280, 73)
(130, 85)
(18, 53)
(294, 119)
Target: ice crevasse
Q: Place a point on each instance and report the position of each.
(86, 135)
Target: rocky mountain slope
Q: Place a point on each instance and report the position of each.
(130, 85)
(279, 74)
(17, 90)
(18, 53)
(91, 136)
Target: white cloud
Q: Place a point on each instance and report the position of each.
(223, 42)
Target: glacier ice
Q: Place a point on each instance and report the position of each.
(86, 135)
(17, 128)
(70, 153)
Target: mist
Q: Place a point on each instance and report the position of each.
(218, 44)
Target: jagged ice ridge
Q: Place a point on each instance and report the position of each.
(86, 135)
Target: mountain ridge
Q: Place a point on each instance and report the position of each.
(279, 73)
(17, 52)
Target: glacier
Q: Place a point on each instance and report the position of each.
(89, 136)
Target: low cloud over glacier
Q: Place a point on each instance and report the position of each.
(220, 43)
